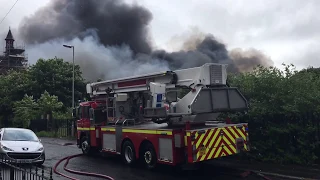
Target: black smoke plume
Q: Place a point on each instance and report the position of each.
(208, 50)
(114, 21)
(117, 35)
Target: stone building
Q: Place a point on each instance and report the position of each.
(13, 57)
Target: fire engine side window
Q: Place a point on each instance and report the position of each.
(80, 112)
(85, 112)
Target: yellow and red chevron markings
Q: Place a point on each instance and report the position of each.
(217, 142)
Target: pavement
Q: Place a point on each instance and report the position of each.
(57, 149)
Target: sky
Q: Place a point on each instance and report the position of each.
(287, 31)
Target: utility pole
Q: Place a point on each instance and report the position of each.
(67, 46)
(72, 76)
(72, 124)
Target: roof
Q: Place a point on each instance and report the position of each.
(9, 35)
(11, 128)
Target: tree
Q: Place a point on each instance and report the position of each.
(284, 113)
(25, 111)
(63, 115)
(55, 77)
(14, 85)
(28, 109)
(47, 104)
(52, 75)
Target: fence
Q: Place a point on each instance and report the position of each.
(60, 127)
(63, 127)
(10, 170)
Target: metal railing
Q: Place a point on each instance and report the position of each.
(59, 127)
(10, 170)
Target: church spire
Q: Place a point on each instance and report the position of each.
(9, 40)
(9, 35)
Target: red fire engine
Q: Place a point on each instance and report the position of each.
(163, 117)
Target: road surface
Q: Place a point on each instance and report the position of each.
(112, 166)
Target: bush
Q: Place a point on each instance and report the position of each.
(46, 134)
(284, 113)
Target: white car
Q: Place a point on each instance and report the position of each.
(21, 146)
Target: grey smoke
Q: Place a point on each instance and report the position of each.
(208, 50)
(246, 60)
(96, 60)
(114, 21)
(112, 40)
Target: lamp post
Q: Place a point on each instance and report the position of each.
(72, 124)
(67, 46)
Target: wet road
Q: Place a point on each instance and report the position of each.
(112, 166)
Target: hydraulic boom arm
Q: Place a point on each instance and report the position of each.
(208, 74)
(208, 93)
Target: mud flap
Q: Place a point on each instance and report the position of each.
(118, 138)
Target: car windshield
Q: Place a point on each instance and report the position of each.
(19, 135)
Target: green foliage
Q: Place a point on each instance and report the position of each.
(284, 113)
(25, 111)
(14, 86)
(55, 76)
(48, 81)
(46, 134)
(63, 115)
(48, 103)
(28, 109)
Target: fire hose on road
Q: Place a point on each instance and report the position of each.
(74, 171)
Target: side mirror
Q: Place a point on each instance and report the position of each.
(74, 113)
(171, 96)
(91, 114)
(39, 140)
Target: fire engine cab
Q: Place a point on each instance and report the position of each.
(163, 117)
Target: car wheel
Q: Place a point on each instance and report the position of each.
(148, 156)
(128, 153)
(40, 163)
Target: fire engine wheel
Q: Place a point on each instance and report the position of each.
(128, 153)
(148, 156)
(85, 146)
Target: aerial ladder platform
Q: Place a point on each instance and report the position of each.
(163, 115)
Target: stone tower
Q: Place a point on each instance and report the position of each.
(13, 57)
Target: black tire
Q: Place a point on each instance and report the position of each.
(85, 146)
(40, 163)
(128, 153)
(148, 156)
